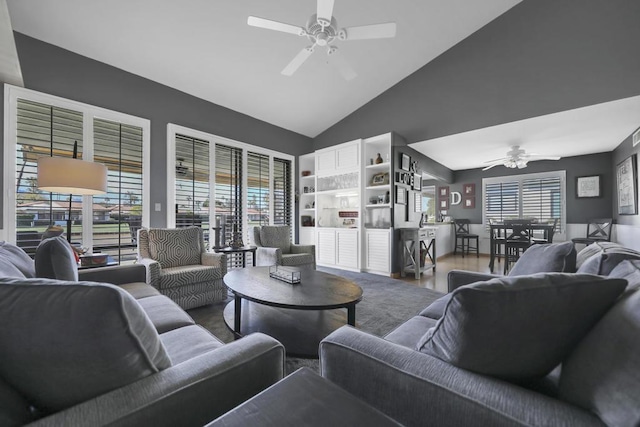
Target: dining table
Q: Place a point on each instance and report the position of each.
(498, 232)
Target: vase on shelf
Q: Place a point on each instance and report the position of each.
(379, 159)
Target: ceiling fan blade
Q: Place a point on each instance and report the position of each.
(325, 10)
(497, 161)
(300, 58)
(375, 31)
(490, 166)
(539, 157)
(343, 67)
(254, 21)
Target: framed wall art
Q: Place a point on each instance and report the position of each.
(469, 202)
(417, 181)
(401, 195)
(588, 186)
(443, 192)
(405, 162)
(469, 190)
(626, 179)
(443, 204)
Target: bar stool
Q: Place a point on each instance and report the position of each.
(464, 237)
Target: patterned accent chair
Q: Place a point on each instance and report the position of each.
(179, 266)
(275, 247)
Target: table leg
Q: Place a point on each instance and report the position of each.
(416, 256)
(244, 259)
(492, 252)
(237, 314)
(253, 257)
(351, 315)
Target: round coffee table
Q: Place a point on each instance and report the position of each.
(299, 315)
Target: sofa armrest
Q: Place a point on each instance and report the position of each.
(303, 249)
(153, 270)
(116, 275)
(213, 259)
(191, 393)
(414, 388)
(457, 278)
(268, 256)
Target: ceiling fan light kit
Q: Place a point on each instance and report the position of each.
(322, 30)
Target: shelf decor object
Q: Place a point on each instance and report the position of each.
(588, 186)
(284, 274)
(405, 162)
(626, 178)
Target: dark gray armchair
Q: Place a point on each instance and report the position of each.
(275, 247)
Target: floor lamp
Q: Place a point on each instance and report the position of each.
(72, 176)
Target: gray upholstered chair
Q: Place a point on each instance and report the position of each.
(275, 247)
(179, 266)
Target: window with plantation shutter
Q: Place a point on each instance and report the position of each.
(45, 125)
(228, 189)
(282, 192)
(539, 196)
(192, 182)
(117, 215)
(257, 189)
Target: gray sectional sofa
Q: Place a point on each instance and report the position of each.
(108, 349)
(544, 347)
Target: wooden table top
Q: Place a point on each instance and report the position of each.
(316, 291)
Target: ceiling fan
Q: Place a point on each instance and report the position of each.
(517, 158)
(322, 30)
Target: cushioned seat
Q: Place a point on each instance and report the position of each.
(410, 332)
(188, 342)
(179, 266)
(275, 247)
(164, 314)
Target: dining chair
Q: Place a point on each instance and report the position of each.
(517, 240)
(547, 233)
(598, 230)
(464, 238)
(497, 239)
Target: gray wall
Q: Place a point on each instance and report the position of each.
(578, 210)
(540, 57)
(624, 150)
(49, 69)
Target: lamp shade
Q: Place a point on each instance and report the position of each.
(73, 176)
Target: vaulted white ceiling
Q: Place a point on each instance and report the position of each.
(205, 48)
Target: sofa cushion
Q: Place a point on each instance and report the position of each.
(176, 277)
(409, 333)
(435, 310)
(140, 290)
(550, 257)
(605, 261)
(601, 374)
(297, 259)
(176, 246)
(164, 314)
(519, 327)
(18, 258)
(628, 270)
(188, 342)
(276, 236)
(66, 342)
(592, 249)
(55, 259)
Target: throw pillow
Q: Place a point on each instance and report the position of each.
(18, 258)
(519, 328)
(66, 342)
(592, 249)
(601, 374)
(550, 257)
(628, 270)
(175, 247)
(604, 262)
(55, 259)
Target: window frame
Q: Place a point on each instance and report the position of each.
(89, 113)
(520, 178)
(174, 129)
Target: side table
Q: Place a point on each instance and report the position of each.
(242, 250)
(304, 399)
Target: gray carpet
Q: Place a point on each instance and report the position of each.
(386, 303)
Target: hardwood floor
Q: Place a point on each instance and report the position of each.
(438, 280)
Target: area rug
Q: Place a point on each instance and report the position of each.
(386, 303)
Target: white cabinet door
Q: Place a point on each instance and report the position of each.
(326, 247)
(347, 157)
(347, 245)
(326, 162)
(378, 250)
